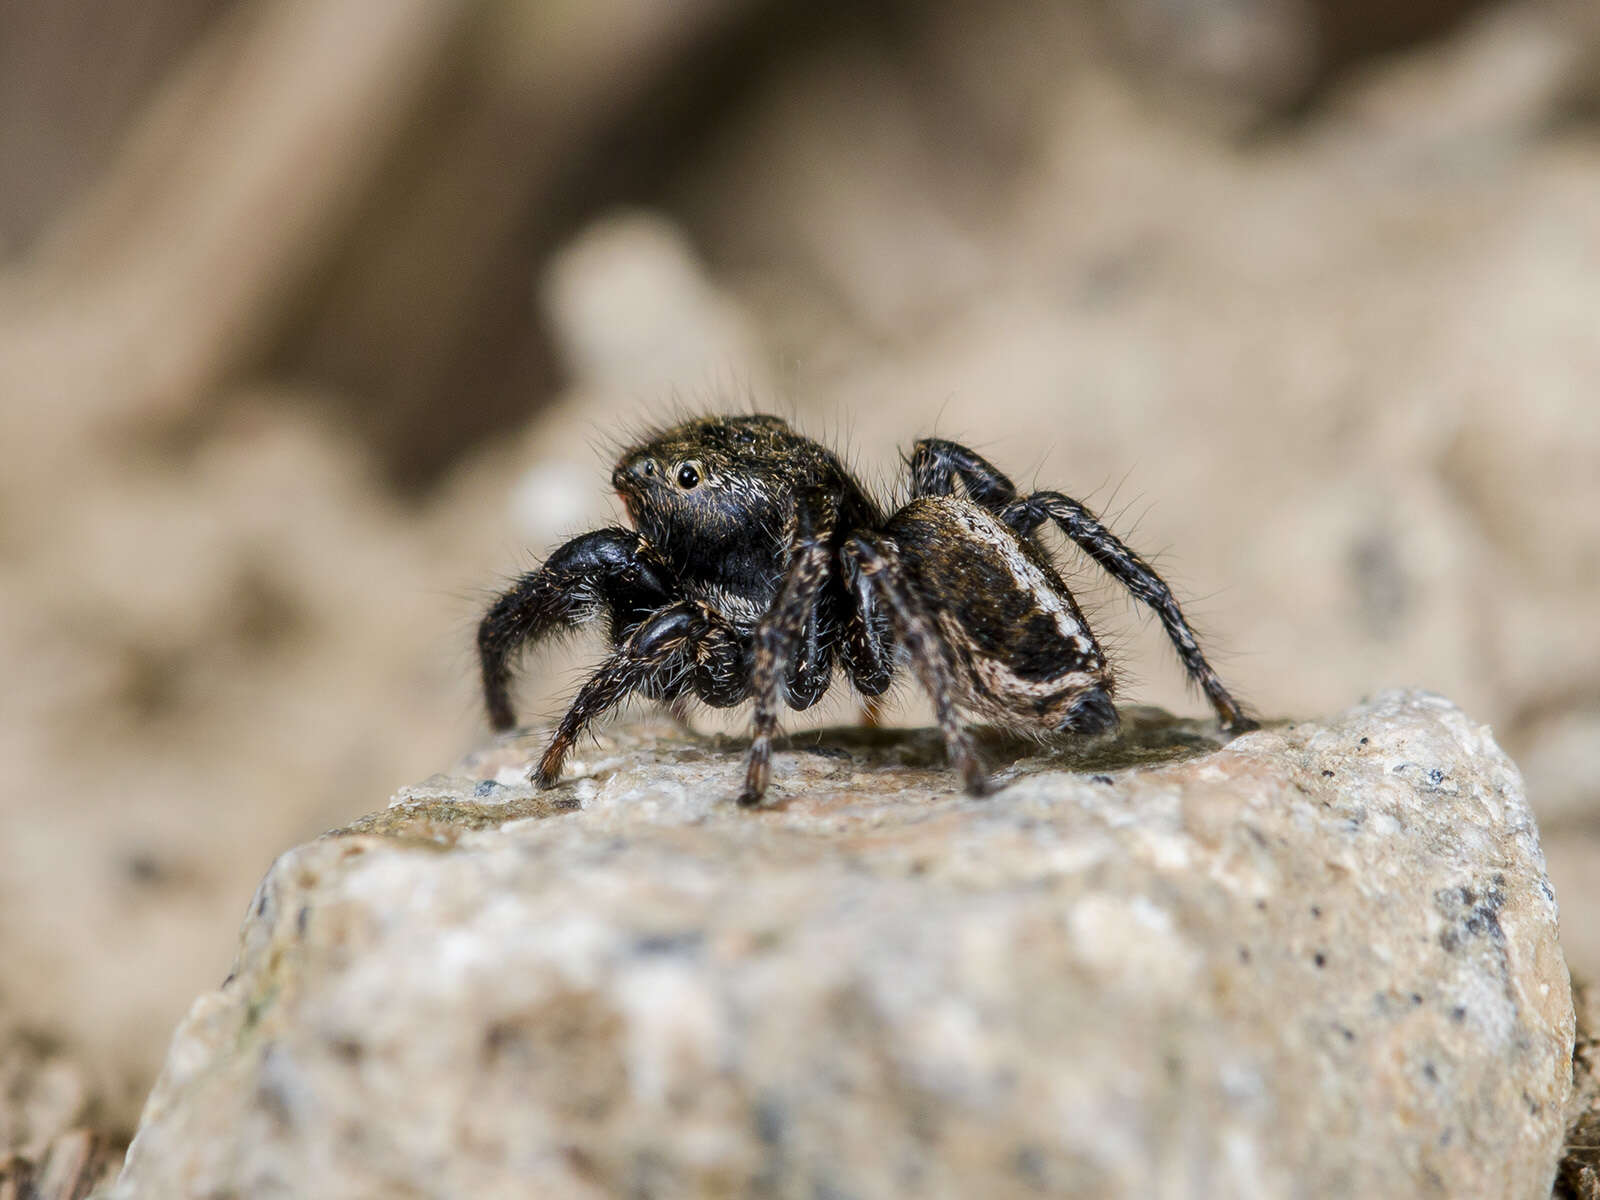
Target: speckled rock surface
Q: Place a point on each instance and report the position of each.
(1318, 961)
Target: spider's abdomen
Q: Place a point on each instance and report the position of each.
(1016, 639)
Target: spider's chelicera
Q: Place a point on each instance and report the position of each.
(757, 564)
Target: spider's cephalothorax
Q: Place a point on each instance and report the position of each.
(756, 564)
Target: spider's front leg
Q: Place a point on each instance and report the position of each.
(793, 618)
(598, 574)
(677, 648)
(937, 464)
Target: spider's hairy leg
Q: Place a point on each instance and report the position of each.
(1084, 528)
(879, 565)
(599, 573)
(868, 644)
(936, 465)
(1122, 564)
(791, 619)
(652, 652)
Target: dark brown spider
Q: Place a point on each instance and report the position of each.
(756, 561)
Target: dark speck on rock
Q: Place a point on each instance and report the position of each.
(1320, 959)
(1327, 774)
(1430, 1072)
(145, 869)
(1458, 1013)
(669, 943)
(769, 1122)
(347, 1050)
(1416, 998)
(1029, 1164)
(1102, 779)
(1435, 776)
(1364, 741)
(484, 787)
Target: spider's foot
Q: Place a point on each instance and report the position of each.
(975, 781)
(757, 773)
(548, 773)
(1240, 724)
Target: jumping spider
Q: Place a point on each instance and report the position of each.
(757, 560)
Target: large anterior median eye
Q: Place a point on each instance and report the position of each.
(688, 476)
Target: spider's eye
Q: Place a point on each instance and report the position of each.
(688, 476)
(649, 468)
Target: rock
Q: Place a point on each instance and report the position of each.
(1579, 1175)
(1267, 56)
(1318, 960)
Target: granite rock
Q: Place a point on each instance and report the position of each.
(1320, 959)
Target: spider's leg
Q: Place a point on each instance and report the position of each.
(600, 573)
(868, 644)
(654, 649)
(810, 668)
(878, 563)
(936, 465)
(791, 619)
(1084, 528)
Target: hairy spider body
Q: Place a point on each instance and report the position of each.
(1024, 656)
(757, 562)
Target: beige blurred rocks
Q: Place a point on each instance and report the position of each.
(633, 309)
(641, 331)
(53, 1140)
(1318, 960)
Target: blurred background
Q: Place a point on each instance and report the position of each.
(320, 319)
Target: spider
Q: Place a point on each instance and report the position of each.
(757, 562)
